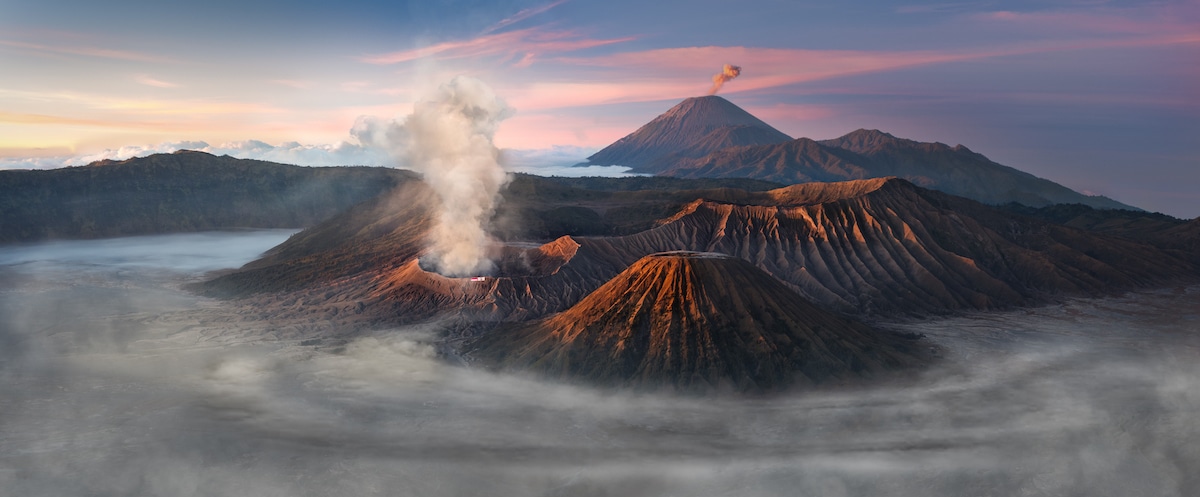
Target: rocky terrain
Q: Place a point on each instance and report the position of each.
(695, 322)
(880, 247)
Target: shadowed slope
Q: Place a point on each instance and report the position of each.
(695, 322)
(376, 235)
(873, 154)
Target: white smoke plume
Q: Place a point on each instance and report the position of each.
(448, 139)
(727, 73)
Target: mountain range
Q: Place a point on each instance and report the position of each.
(180, 192)
(710, 137)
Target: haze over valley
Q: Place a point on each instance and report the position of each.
(119, 383)
(573, 249)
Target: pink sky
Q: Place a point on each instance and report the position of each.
(580, 75)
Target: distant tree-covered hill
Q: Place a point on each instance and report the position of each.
(180, 192)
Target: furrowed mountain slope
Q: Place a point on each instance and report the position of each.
(361, 264)
(890, 247)
(695, 322)
(692, 128)
(873, 154)
(179, 192)
(881, 246)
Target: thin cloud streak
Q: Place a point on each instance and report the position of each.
(157, 83)
(43, 119)
(299, 85)
(144, 107)
(509, 44)
(521, 16)
(938, 8)
(670, 73)
(1059, 22)
(85, 51)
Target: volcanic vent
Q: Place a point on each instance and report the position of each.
(695, 322)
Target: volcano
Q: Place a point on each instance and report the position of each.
(695, 321)
(693, 128)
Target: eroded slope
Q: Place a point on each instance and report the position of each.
(695, 321)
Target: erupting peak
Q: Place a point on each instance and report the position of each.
(693, 128)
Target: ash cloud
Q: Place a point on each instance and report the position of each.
(719, 79)
(448, 139)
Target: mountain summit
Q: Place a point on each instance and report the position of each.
(695, 127)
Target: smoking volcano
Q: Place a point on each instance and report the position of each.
(448, 139)
(693, 128)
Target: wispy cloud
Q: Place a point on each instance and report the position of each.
(791, 112)
(670, 73)
(84, 51)
(941, 8)
(521, 16)
(87, 103)
(1151, 21)
(291, 83)
(188, 107)
(43, 119)
(524, 43)
(1074, 22)
(157, 83)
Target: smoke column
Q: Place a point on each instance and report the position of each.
(727, 73)
(448, 139)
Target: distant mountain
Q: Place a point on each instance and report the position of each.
(872, 154)
(692, 128)
(1176, 236)
(179, 192)
(1136, 225)
(959, 171)
(695, 322)
(710, 137)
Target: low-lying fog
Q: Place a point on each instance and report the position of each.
(113, 381)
